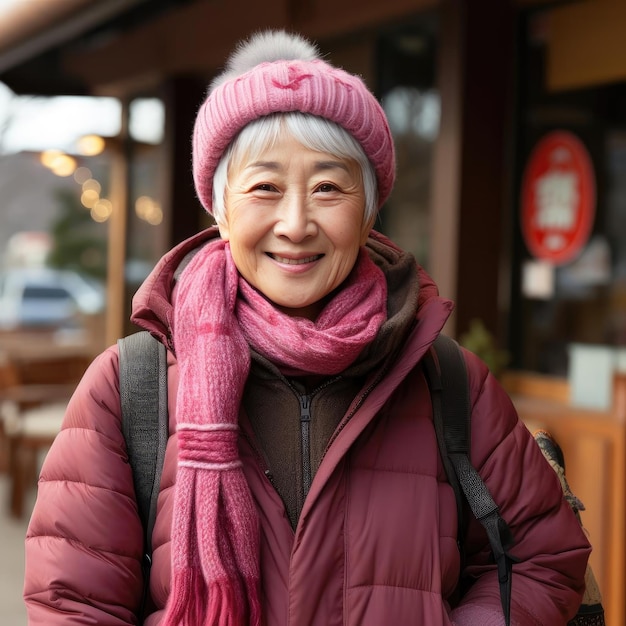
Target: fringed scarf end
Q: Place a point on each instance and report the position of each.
(186, 600)
(225, 606)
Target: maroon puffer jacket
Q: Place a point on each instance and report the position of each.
(376, 541)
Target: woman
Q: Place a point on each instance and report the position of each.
(302, 482)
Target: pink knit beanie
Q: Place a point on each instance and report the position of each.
(277, 72)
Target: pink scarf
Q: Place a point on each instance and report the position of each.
(215, 530)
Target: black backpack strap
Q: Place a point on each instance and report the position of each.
(447, 379)
(453, 432)
(143, 397)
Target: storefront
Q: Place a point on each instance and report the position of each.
(567, 201)
(578, 253)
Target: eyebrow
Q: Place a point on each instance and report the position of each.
(319, 165)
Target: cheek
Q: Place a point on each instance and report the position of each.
(345, 259)
(348, 236)
(242, 260)
(237, 228)
(244, 240)
(347, 227)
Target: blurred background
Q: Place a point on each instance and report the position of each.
(509, 119)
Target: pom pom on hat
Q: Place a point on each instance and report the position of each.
(274, 72)
(266, 47)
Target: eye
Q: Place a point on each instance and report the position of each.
(326, 187)
(264, 187)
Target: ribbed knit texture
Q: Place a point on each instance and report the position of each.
(307, 86)
(215, 530)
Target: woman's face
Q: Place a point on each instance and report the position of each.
(294, 220)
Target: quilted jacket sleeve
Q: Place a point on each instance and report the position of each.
(84, 541)
(552, 549)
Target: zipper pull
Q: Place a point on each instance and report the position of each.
(305, 408)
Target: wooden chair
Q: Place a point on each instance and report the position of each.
(31, 414)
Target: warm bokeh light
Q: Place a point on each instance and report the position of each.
(143, 204)
(90, 145)
(102, 210)
(82, 174)
(156, 216)
(58, 162)
(89, 198)
(47, 157)
(92, 184)
(149, 210)
(63, 165)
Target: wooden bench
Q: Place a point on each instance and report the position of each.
(33, 398)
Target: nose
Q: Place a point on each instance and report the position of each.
(294, 218)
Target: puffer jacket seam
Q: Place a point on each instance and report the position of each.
(381, 586)
(392, 471)
(77, 543)
(50, 481)
(102, 436)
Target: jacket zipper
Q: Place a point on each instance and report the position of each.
(305, 425)
(305, 400)
(305, 435)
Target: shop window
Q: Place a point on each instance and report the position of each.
(406, 86)
(147, 238)
(581, 300)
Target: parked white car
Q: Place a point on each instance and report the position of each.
(43, 297)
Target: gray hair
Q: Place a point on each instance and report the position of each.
(314, 133)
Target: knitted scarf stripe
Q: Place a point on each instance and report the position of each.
(215, 528)
(201, 441)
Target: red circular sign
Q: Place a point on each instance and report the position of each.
(558, 198)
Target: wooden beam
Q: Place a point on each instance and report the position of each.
(351, 15)
(196, 38)
(469, 172)
(32, 17)
(446, 177)
(118, 228)
(529, 4)
(35, 26)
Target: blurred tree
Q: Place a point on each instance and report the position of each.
(482, 343)
(78, 242)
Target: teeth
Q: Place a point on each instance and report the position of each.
(287, 261)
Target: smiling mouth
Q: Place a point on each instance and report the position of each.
(291, 261)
